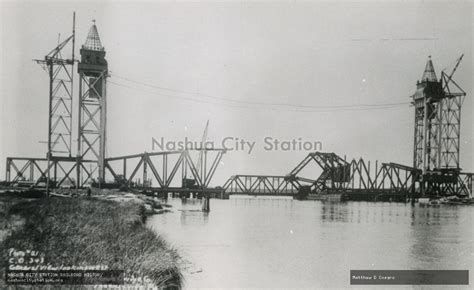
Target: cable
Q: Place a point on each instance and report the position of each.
(257, 103)
(387, 106)
(337, 109)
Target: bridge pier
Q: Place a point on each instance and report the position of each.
(206, 204)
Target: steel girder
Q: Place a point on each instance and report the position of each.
(33, 171)
(159, 163)
(261, 185)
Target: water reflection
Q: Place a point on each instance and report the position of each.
(258, 243)
(441, 234)
(366, 212)
(335, 212)
(191, 213)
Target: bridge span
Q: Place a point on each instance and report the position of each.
(355, 179)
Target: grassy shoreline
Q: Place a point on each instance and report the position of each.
(80, 231)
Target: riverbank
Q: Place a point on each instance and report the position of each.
(81, 232)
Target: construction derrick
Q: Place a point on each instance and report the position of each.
(437, 127)
(436, 170)
(90, 165)
(355, 178)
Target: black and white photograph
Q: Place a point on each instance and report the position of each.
(236, 144)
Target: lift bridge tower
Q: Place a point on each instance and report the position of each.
(93, 73)
(437, 105)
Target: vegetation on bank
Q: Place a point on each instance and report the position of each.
(80, 232)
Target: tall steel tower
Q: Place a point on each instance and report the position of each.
(437, 130)
(60, 70)
(93, 72)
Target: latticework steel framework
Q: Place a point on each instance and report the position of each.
(437, 121)
(60, 71)
(437, 129)
(93, 71)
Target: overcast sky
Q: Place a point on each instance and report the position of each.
(305, 54)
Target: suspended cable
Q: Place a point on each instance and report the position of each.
(257, 103)
(277, 109)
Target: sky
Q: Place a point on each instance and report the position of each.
(237, 65)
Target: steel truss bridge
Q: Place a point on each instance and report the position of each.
(62, 167)
(162, 169)
(33, 172)
(155, 171)
(340, 176)
(436, 167)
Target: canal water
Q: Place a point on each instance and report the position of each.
(274, 243)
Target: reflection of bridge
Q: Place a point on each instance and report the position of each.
(357, 178)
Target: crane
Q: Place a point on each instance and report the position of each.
(449, 78)
(200, 162)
